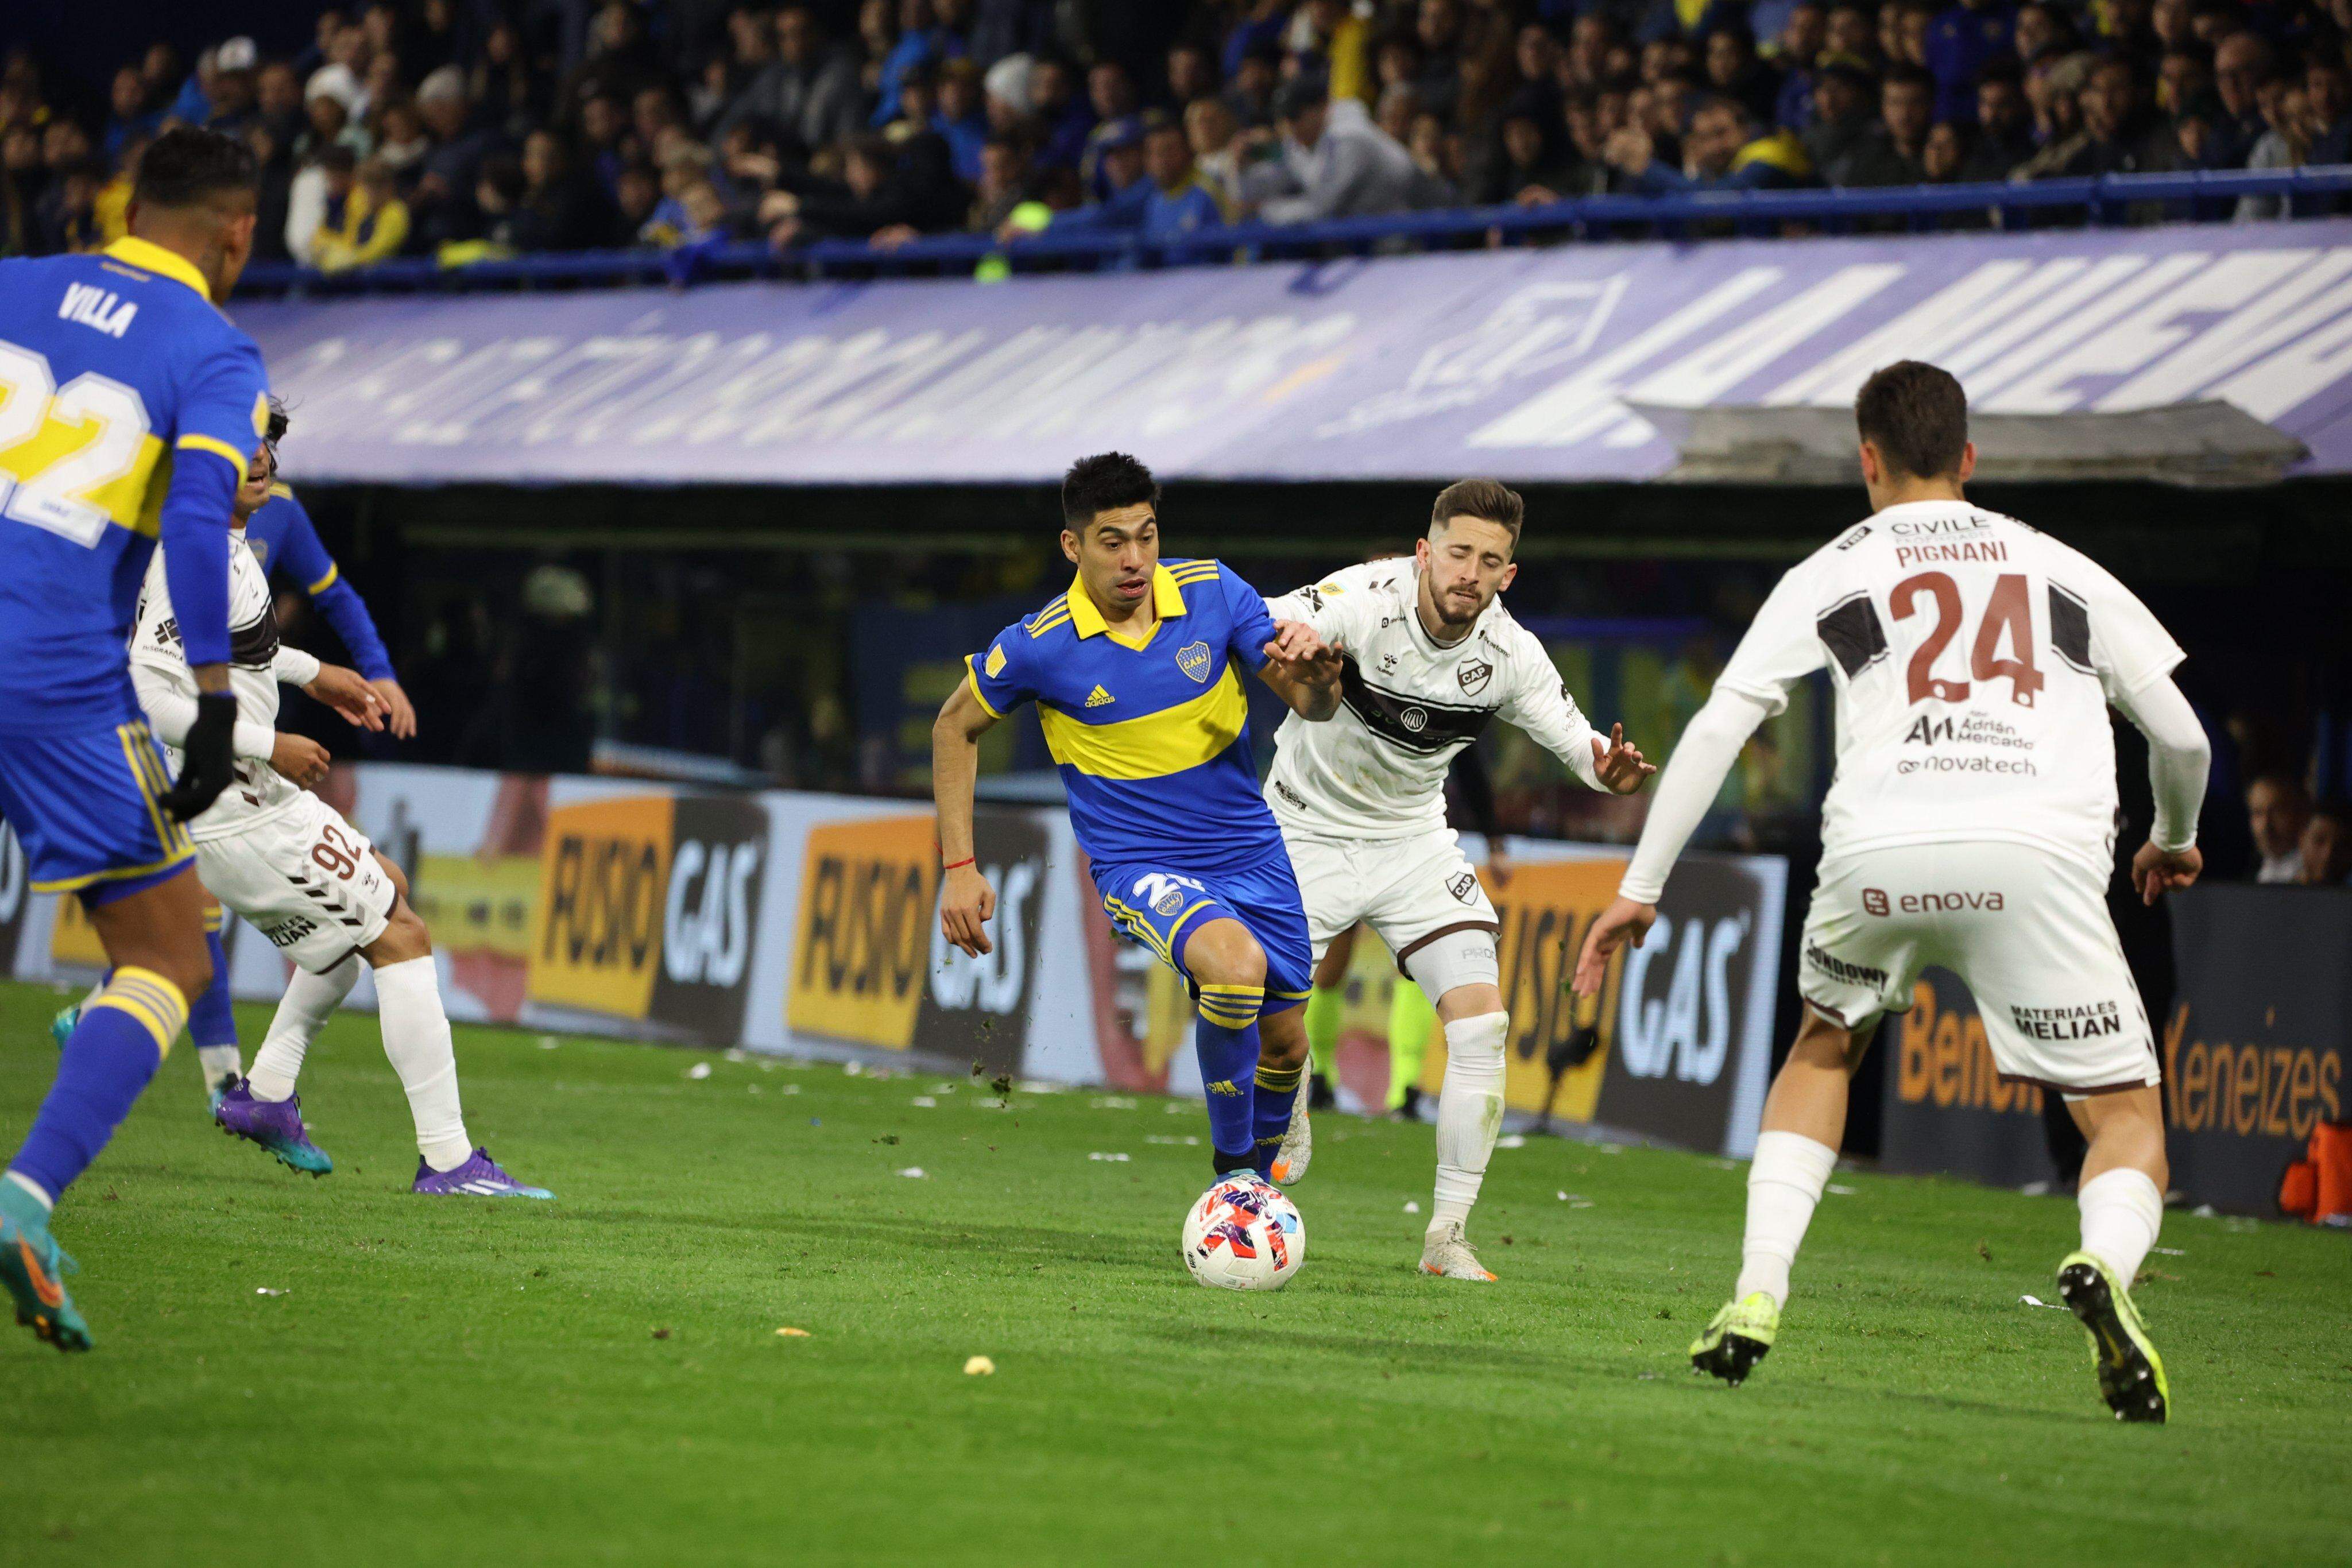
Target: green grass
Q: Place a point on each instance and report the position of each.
(599, 1380)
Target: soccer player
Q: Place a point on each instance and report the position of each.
(127, 408)
(1428, 658)
(1971, 824)
(281, 539)
(305, 878)
(1134, 673)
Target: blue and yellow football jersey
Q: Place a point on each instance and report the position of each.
(282, 539)
(112, 367)
(1153, 741)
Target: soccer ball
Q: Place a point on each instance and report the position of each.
(1245, 1235)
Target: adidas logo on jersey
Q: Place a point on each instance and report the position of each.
(1100, 698)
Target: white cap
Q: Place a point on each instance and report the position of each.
(335, 81)
(1008, 78)
(236, 55)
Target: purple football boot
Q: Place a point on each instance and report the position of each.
(275, 1124)
(479, 1176)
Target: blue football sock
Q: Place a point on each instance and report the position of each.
(124, 1033)
(211, 1021)
(1277, 1094)
(1226, 1040)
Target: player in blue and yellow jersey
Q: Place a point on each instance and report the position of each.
(282, 539)
(1135, 675)
(128, 410)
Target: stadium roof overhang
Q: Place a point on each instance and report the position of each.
(2207, 443)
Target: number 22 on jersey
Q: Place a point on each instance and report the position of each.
(65, 452)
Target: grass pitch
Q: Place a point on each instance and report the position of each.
(600, 1380)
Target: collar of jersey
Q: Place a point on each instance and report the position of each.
(148, 257)
(1086, 621)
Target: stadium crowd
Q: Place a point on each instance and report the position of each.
(466, 129)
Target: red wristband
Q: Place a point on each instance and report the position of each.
(959, 865)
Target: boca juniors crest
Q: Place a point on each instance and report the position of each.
(1194, 659)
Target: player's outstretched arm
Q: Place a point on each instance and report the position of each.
(1618, 765)
(1303, 670)
(1710, 744)
(966, 901)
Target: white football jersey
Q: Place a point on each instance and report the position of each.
(258, 661)
(1376, 770)
(1973, 659)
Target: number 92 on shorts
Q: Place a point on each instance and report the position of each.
(304, 878)
(1159, 907)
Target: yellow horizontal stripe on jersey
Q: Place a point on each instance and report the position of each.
(326, 582)
(972, 679)
(192, 441)
(1154, 745)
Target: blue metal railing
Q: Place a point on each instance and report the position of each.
(2108, 199)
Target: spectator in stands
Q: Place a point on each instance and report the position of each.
(1734, 71)
(1333, 162)
(561, 207)
(1002, 186)
(2325, 847)
(1961, 42)
(323, 188)
(1796, 50)
(1894, 151)
(2243, 66)
(2005, 133)
(1843, 95)
(23, 179)
(2278, 807)
(907, 189)
(1192, 72)
(1159, 193)
(1719, 154)
(365, 220)
(809, 87)
(1532, 160)
(1215, 138)
(2327, 105)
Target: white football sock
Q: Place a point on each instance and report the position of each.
(310, 1001)
(1783, 1186)
(1469, 1111)
(220, 1061)
(2122, 1212)
(416, 1039)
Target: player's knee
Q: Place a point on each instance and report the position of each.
(1224, 954)
(404, 937)
(1282, 1040)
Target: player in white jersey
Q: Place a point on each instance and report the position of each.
(1971, 824)
(307, 879)
(1428, 657)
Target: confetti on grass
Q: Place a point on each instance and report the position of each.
(701, 1070)
(788, 1332)
(979, 1366)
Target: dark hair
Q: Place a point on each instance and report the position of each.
(185, 167)
(1489, 499)
(1104, 483)
(1907, 76)
(2336, 808)
(1917, 417)
(276, 431)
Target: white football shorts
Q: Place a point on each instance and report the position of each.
(304, 878)
(2028, 931)
(1419, 895)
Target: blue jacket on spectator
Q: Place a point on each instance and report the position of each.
(1146, 209)
(964, 138)
(912, 49)
(1961, 41)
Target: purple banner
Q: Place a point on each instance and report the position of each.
(1524, 363)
